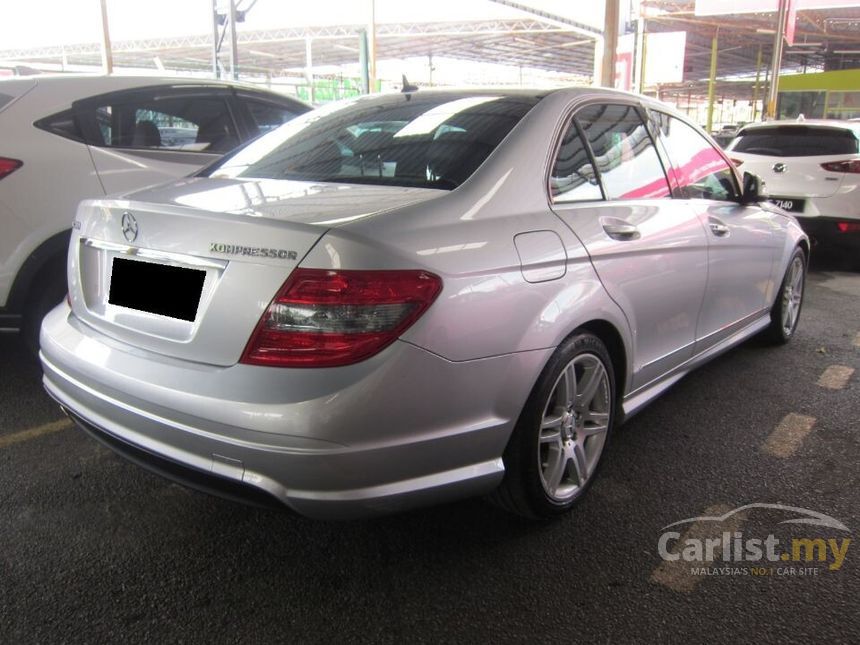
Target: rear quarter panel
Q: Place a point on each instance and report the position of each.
(487, 307)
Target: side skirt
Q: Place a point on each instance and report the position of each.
(637, 400)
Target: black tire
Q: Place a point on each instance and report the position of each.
(49, 290)
(778, 332)
(523, 490)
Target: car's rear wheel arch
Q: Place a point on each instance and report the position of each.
(804, 246)
(40, 285)
(47, 256)
(612, 339)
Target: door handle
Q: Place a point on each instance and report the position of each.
(621, 231)
(718, 228)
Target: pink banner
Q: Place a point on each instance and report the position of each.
(724, 7)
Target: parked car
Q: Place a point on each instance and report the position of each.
(812, 169)
(726, 133)
(467, 303)
(68, 138)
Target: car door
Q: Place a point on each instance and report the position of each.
(649, 250)
(741, 239)
(150, 135)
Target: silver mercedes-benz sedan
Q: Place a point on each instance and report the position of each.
(404, 299)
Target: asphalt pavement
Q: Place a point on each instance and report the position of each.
(96, 550)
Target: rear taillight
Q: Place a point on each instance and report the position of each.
(848, 227)
(8, 166)
(324, 318)
(852, 166)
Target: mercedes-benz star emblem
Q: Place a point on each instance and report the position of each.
(779, 167)
(129, 227)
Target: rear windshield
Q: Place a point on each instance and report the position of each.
(796, 141)
(431, 140)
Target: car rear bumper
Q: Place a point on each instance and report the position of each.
(398, 431)
(832, 233)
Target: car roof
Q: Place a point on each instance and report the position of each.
(72, 87)
(819, 123)
(525, 92)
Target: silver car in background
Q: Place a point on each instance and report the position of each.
(404, 299)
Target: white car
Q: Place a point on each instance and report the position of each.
(812, 169)
(68, 138)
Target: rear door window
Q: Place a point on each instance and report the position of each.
(573, 177)
(626, 159)
(268, 116)
(700, 170)
(145, 119)
(796, 141)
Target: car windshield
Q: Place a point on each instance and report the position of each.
(434, 140)
(796, 141)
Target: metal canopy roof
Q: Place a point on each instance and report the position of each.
(540, 41)
(820, 35)
(528, 43)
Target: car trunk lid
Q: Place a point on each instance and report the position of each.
(220, 252)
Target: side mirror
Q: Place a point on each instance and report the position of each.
(755, 190)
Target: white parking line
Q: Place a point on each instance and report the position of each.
(32, 433)
(788, 436)
(835, 377)
(676, 575)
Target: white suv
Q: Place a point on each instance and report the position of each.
(68, 138)
(811, 168)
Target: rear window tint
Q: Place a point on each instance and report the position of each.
(432, 140)
(796, 141)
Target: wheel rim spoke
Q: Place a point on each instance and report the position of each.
(569, 391)
(551, 423)
(588, 385)
(555, 468)
(595, 423)
(580, 464)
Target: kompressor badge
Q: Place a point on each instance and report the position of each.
(252, 251)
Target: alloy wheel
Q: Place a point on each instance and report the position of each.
(574, 427)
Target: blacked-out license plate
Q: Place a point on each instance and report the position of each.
(789, 203)
(156, 288)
